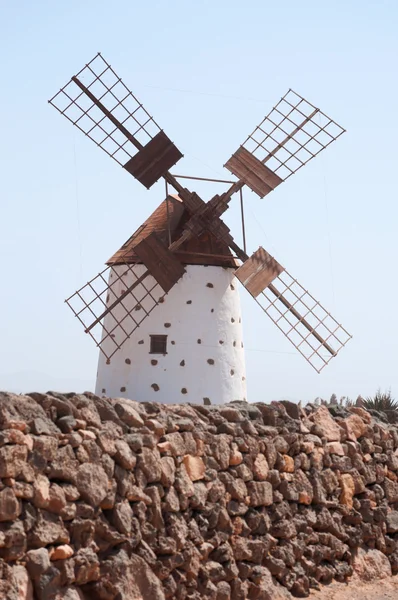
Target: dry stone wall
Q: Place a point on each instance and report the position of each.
(110, 499)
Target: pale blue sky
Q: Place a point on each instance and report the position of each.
(208, 72)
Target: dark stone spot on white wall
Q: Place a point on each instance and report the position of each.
(184, 391)
(221, 342)
(241, 344)
(172, 342)
(232, 372)
(232, 320)
(161, 300)
(155, 387)
(182, 363)
(231, 285)
(154, 362)
(212, 310)
(234, 344)
(240, 320)
(199, 341)
(167, 325)
(243, 378)
(108, 362)
(209, 285)
(123, 389)
(189, 301)
(127, 361)
(103, 390)
(138, 307)
(141, 342)
(210, 361)
(206, 401)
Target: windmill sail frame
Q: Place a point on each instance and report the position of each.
(112, 305)
(288, 137)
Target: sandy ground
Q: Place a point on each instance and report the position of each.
(385, 589)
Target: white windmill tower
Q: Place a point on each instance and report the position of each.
(165, 312)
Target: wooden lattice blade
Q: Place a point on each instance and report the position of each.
(103, 108)
(304, 321)
(161, 263)
(292, 134)
(258, 271)
(113, 304)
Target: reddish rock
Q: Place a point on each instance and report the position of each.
(22, 583)
(235, 457)
(167, 466)
(92, 483)
(174, 442)
(347, 490)
(354, 427)
(10, 507)
(87, 566)
(335, 448)
(149, 463)
(195, 467)
(304, 487)
(370, 565)
(124, 455)
(127, 578)
(61, 552)
(128, 414)
(361, 412)
(12, 459)
(326, 424)
(48, 529)
(288, 464)
(391, 490)
(260, 493)
(135, 494)
(260, 468)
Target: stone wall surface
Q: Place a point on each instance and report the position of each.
(110, 499)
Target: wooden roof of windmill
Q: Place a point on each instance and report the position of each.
(171, 215)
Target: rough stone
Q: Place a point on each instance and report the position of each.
(195, 467)
(12, 459)
(260, 493)
(354, 427)
(37, 562)
(347, 490)
(10, 507)
(116, 500)
(370, 565)
(61, 552)
(126, 578)
(128, 414)
(326, 425)
(260, 468)
(92, 483)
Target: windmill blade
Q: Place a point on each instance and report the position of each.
(303, 320)
(112, 305)
(98, 102)
(291, 135)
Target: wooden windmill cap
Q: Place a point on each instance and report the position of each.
(202, 250)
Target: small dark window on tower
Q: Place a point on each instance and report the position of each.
(158, 344)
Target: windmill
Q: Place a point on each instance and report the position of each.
(165, 311)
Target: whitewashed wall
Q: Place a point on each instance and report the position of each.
(201, 316)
